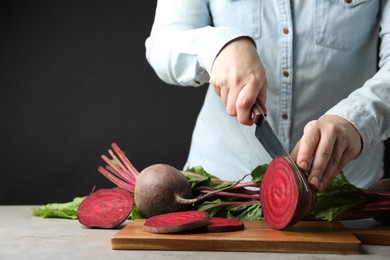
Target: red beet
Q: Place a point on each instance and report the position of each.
(176, 222)
(105, 208)
(217, 224)
(161, 189)
(158, 189)
(285, 194)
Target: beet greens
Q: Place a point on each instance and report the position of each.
(241, 199)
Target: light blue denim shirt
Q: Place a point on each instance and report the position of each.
(320, 57)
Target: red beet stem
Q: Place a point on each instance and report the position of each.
(116, 180)
(129, 180)
(367, 210)
(119, 170)
(208, 193)
(379, 195)
(233, 194)
(125, 160)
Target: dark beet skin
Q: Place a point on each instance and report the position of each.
(175, 222)
(105, 208)
(156, 190)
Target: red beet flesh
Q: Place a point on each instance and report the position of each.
(105, 208)
(285, 195)
(217, 224)
(176, 222)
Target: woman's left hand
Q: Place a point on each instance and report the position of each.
(326, 146)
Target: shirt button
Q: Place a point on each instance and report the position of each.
(348, 1)
(286, 31)
(286, 74)
(285, 116)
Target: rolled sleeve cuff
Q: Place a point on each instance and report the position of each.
(220, 37)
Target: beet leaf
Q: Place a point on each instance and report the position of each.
(340, 196)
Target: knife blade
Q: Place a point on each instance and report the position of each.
(266, 135)
(270, 141)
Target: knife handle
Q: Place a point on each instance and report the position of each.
(258, 115)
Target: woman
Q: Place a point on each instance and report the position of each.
(312, 65)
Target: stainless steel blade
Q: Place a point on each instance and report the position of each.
(270, 141)
(266, 135)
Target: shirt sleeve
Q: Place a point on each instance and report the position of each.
(368, 108)
(183, 43)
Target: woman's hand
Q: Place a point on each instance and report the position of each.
(238, 77)
(326, 146)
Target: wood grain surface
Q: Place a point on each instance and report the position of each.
(304, 237)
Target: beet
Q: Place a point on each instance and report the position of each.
(160, 189)
(105, 208)
(217, 224)
(285, 194)
(175, 222)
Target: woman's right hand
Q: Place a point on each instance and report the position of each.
(238, 77)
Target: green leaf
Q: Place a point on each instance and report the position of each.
(59, 210)
(218, 186)
(196, 180)
(340, 196)
(201, 171)
(213, 207)
(136, 213)
(246, 212)
(258, 173)
(198, 177)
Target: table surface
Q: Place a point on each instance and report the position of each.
(24, 236)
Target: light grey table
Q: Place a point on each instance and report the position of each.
(23, 236)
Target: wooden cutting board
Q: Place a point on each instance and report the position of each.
(304, 237)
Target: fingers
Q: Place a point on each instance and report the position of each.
(326, 146)
(239, 100)
(324, 162)
(246, 99)
(238, 77)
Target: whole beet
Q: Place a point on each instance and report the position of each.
(157, 189)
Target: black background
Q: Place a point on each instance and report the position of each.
(73, 79)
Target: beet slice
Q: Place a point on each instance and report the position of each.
(218, 224)
(285, 194)
(176, 222)
(105, 208)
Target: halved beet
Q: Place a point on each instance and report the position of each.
(105, 208)
(285, 194)
(217, 224)
(176, 222)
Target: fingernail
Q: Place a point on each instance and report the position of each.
(322, 186)
(314, 181)
(303, 166)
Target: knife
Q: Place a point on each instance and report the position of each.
(270, 141)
